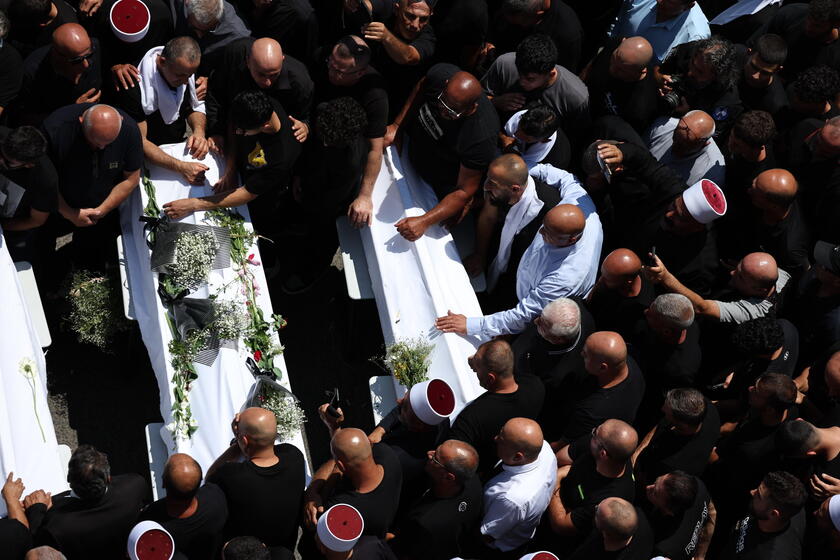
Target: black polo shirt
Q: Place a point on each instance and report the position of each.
(266, 160)
(639, 547)
(676, 536)
(615, 312)
(40, 183)
(157, 130)
(87, 176)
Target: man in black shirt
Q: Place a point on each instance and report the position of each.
(621, 294)
(683, 439)
(452, 128)
(11, 66)
(681, 514)
(760, 87)
(506, 397)
(441, 524)
(14, 529)
(461, 29)
(263, 483)
(193, 514)
(35, 22)
(816, 306)
(620, 84)
(291, 23)
(165, 101)
(775, 526)
(265, 156)
(67, 71)
(30, 183)
(818, 450)
(621, 532)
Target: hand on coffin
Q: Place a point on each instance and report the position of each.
(452, 323)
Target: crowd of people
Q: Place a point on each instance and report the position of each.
(655, 187)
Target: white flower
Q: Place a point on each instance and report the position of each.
(28, 367)
(194, 254)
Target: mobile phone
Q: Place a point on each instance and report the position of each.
(650, 258)
(335, 404)
(605, 169)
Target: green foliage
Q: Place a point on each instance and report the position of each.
(96, 314)
(408, 360)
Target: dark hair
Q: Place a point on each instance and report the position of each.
(340, 121)
(498, 358)
(771, 48)
(539, 122)
(826, 11)
(781, 390)
(687, 405)
(182, 47)
(796, 437)
(681, 489)
(816, 84)
(536, 54)
(25, 144)
(245, 548)
(30, 12)
(785, 491)
(755, 128)
(719, 53)
(758, 336)
(349, 48)
(250, 110)
(521, 6)
(88, 473)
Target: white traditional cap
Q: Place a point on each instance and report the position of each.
(542, 555)
(834, 510)
(340, 527)
(130, 20)
(704, 200)
(148, 540)
(432, 401)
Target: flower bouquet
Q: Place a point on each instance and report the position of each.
(96, 314)
(408, 360)
(270, 395)
(195, 252)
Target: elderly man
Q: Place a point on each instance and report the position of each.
(687, 146)
(594, 468)
(757, 280)
(194, 514)
(249, 64)
(620, 528)
(561, 261)
(663, 24)
(506, 397)
(164, 101)
(263, 483)
(515, 499)
(621, 294)
(214, 24)
(619, 82)
(64, 72)
(452, 130)
(441, 525)
(94, 519)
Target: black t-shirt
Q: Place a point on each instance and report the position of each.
(591, 405)
(86, 176)
(15, 538)
(788, 240)
(40, 183)
(411, 449)
(292, 23)
(439, 146)
(401, 78)
(668, 451)
(379, 506)
(265, 502)
(676, 536)
(638, 549)
(635, 102)
(751, 369)
(157, 131)
(11, 74)
(331, 175)
(199, 535)
(266, 160)
(372, 548)
(371, 91)
(481, 420)
(44, 90)
(771, 98)
(440, 528)
(666, 366)
(584, 487)
(459, 24)
(27, 37)
(748, 542)
(615, 312)
(817, 316)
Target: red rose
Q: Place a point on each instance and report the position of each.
(258, 355)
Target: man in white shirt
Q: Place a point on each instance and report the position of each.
(515, 499)
(687, 146)
(562, 261)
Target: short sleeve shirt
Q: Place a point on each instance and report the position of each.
(743, 310)
(40, 183)
(44, 91)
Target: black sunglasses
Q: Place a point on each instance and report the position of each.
(80, 59)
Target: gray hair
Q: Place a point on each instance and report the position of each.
(182, 47)
(563, 318)
(4, 24)
(695, 111)
(44, 553)
(675, 309)
(205, 12)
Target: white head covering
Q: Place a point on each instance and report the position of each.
(834, 510)
(542, 555)
(705, 201)
(340, 527)
(127, 17)
(148, 540)
(432, 401)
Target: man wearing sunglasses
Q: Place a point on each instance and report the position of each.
(452, 128)
(65, 72)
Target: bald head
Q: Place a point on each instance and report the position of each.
(71, 37)
(351, 447)
(459, 458)
(618, 438)
(101, 125)
(774, 188)
(259, 426)
(181, 477)
(761, 268)
(635, 51)
(621, 262)
(692, 133)
(616, 518)
(509, 169)
(832, 375)
(563, 225)
(523, 435)
(604, 352)
(463, 89)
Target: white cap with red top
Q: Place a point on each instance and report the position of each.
(130, 20)
(340, 527)
(705, 201)
(148, 540)
(432, 401)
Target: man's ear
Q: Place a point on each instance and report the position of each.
(491, 377)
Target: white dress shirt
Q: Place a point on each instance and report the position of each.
(515, 499)
(547, 272)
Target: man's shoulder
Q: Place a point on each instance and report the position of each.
(569, 84)
(33, 62)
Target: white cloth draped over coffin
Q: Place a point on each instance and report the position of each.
(221, 388)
